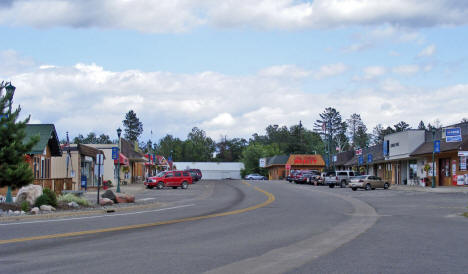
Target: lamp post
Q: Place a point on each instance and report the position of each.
(119, 131)
(10, 91)
(433, 156)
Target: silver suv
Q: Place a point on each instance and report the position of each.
(339, 178)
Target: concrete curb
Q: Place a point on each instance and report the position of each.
(454, 189)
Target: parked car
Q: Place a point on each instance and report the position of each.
(339, 178)
(255, 176)
(195, 175)
(172, 179)
(306, 176)
(368, 182)
(292, 175)
(321, 179)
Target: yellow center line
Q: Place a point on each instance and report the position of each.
(271, 199)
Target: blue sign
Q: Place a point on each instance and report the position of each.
(369, 158)
(437, 146)
(84, 181)
(453, 135)
(3, 115)
(326, 162)
(385, 148)
(115, 153)
(360, 160)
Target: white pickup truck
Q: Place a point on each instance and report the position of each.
(339, 178)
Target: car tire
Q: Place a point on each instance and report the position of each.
(368, 187)
(386, 186)
(354, 188)
(331, 185)
(160, 185)
(343, 184)
(184, 185)
(149, 187)
(174, 187)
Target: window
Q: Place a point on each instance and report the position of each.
(342, 174)
(169, 174)
(186, 174)
(177, 174)
(463, 160)
(413, 169)
(351, 173)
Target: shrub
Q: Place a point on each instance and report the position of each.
(67, 198)
(51, 195)
(42, 200)
(25, 206)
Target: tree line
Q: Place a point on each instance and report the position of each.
(331, 132)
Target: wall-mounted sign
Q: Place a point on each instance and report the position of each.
(335, 158)
(369, 158)
(453, 135)
(115, 153)
(460, 180)
(360, 160)
(463, 153)
(385, 148)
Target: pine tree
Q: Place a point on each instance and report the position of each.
(132, 126)
(14, 170)
(421, 125)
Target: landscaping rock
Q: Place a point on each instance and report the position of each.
(35, 210)
(47, 208)
(105, 201)
(109, 194)
(73, 204)
(29, 193)
(17, 212)
(124, 198)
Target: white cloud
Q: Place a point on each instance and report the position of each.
(87, 97)
(290, 71)
(406, 69)
(182, 15)
(428, 51)
(330, 70)
(371, 72)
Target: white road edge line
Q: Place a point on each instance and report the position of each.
(99, 216)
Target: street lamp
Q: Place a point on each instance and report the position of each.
(119, 131)
(433, 156)
(10, 91)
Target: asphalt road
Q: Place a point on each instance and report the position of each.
(233, 227)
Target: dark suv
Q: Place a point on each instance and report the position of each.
(306, 176)
(195, 173)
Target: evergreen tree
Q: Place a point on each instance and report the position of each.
(362, 138)
(421, 125)
(354, 123)
(133, 128)
(14, 170)
(401, 126)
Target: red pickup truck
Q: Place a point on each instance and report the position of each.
(172, 179)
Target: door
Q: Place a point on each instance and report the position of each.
(445, 177)
(177, 178)
(169, 179)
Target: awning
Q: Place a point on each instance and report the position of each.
(123, 160)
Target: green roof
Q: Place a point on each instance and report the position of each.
(47, 134)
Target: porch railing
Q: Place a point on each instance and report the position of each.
(56, 185)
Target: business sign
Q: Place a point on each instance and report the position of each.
(453, 135)
(369, 158)
(288, 166)
(359, 151)
(460, 180)
(360, 160)
(463, 163)
(262, 162)
(463, 153)
(115, 153)
(437, 146)
(335, 158)
(385, 148)
(84, 181)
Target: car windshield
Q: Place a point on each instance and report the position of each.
(161, 174)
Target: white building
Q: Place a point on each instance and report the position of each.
(214, 170)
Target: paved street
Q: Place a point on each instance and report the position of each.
(233, 227)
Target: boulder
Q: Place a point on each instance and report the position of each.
(47, 208)
(29, 193)
(35, 210)
(105, 201)
(109, 194)
(73, 204)
(124, 198)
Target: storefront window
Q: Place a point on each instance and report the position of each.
(413, 169)
(463, 160)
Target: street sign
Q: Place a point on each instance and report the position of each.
(453, 135)
(369, 158)
(361, 160)
(115, 153)
(335, 158)
(262, 162)
(359, 151)
(437, 146)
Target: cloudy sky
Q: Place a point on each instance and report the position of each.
(233, 67)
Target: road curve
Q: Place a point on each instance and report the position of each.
(263, 227)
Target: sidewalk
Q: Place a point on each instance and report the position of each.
(131, 189)
(441, 189)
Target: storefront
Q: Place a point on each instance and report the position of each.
(280, 166)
